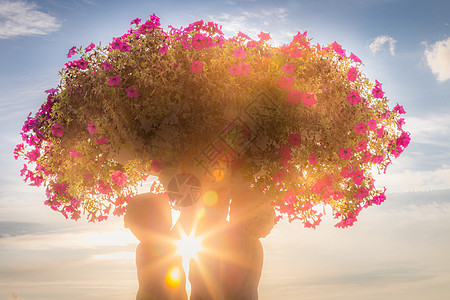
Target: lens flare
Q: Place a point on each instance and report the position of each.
(189, 246)
(173, 277)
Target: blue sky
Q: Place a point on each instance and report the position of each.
(396, 251)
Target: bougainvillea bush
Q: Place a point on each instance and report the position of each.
(300, 122)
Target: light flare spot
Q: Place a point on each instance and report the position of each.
(210, 198)
(173, 277)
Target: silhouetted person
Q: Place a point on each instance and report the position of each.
(159, 269)
(251, 218)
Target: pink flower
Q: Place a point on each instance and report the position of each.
(235, 70)
(313, 159)
(377, 92)
(361, 193)
(239, 53)
(163, 49)
(245, 68)
(156, 165)
(107, 66)
(358, 177)
(243, 35)
(377, 159)
(264, 36)
(294, 139)
(354, 58)
(58, 130)
(400, 123)
(33, 155)
(89, 48)
(362, 145)
(114, 80)
(354, 98)
(131, 92)
(103, 187)
(372, 124)
(361, 128)
(278, 177)
(347, 171)
(74, 153)
(295, 52)
(71, 52)
(101, 141)
(380, 132)
(124, 47)
(352, 74)
(285, 83)
(92, 128)
(285, 151)
(288, 68)
(294, 96)
(398, 108)
(197, 41)
(308, 99)
(119, 178)
(135, 21)
(345, 153)
(404, 140)
(196, 66)
(366, 157)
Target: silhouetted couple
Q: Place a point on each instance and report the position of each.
(230, 264)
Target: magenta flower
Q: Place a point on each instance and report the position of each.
(74, 153)
(81, 64)
(116, 43)
(294, 139)
(103, 187)
(58, 130)
(239, 53)
(361, 193)
(354, 58)
(89, 48)
(71, 52)
(101, 141)
(358, 177)
(285, 83)
(294, 96)
(107, 66)
(245, 68)
(263, 36)
(380, 132)
(361, 128)
(114, 80)
(136, 21)
(288, 68)
(362, 145)
(295, 52)
(398, 108)
(131, 92)
(196, 66)
(197, 41)
(235, 70)
(92, 128)
(33, 155)
(278, 177)
(345, 153)
(372, 124)
(308, 99)
(313, 159)
(404, 140)
(400, 123)
(119, 178)
(377, 92)
(353, 74)
(354, 98)
(124, 47)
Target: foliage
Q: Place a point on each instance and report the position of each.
(300, 122)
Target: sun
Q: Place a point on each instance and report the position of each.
(189, 246)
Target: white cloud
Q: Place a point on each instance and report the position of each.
(431, 129)
(438, 58)
(382, 42)
(19, 18)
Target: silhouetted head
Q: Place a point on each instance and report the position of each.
(148, 215)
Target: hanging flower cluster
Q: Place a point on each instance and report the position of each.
(300, 122)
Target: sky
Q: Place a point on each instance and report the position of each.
(398, 250)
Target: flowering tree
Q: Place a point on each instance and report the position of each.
(300, 122)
